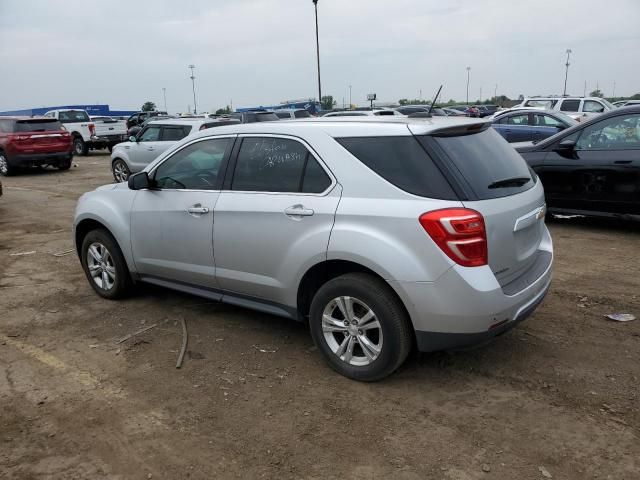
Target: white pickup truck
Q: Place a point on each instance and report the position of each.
(109, 131)
(79, 125)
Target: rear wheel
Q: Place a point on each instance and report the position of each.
(120, 170)
(80, 147)
(64, 164)
(5, 169)
(104, 265)
(360, 327)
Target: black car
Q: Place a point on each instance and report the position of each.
(253, 116)
(486, 110)
(140, 117)
(592, 168)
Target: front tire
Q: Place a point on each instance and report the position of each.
(360, 327)
(80, 147)
(6, 170)
(104, 265)
(120, 170)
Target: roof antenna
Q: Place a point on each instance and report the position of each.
(434, 102)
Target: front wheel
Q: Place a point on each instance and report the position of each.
(80, 147)
(360, 327)
(5, 169)
(104, 265)
(120, 170)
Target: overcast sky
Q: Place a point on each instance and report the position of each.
(260, 52)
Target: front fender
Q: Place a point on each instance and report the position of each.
(111, 208)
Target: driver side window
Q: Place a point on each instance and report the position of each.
(195, 167)
(151, 134)
(621, 132)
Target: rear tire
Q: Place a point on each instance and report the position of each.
(373, 339)
(6, 170)
(80, 147)
(104, 265)
(64, 164)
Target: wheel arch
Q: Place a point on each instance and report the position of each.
(322, 272)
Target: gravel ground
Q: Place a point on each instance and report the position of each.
(558, 397)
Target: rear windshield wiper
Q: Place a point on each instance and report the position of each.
(509, 182)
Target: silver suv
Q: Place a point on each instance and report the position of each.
(383, 234)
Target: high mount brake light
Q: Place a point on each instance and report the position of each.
(460, 233)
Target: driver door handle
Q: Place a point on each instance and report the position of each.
(197, 209)
(298, 211)
(150, 148)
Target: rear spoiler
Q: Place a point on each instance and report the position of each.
(453, 130)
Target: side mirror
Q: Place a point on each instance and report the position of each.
(560, 127)
(139, 181)
(566, 146)
(133, 138)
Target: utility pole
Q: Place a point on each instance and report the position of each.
(164, 94)
(468, 73)
(614, 90)
(350, 97)
(315, 5)
(480, 94)
(193, 84)
(566, 72)
(495, 93)
(584, 92)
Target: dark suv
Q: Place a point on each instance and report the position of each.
(33, 141)
(139, 117)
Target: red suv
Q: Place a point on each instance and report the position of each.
(33, 141)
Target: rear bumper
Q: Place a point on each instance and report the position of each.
(35, 159)
(467, 306)
(109, 139)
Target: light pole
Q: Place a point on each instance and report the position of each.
(350, 97)
(164, 94)
(468, 73)
(495, 93)
(193, 84)
(315, 5)
(566, 72)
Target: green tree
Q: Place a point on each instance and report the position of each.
(148, 107)
(327, 102)
(222, 111)
(596, 93)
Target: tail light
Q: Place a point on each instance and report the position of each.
(92, 129)
(460, 233)
(19, 137)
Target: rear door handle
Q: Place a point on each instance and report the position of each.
(298, 211)
(197, 209)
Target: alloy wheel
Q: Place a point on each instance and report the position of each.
(101, 266)
(4, 166)
(120, 171)
(352, 331)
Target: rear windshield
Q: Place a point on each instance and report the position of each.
(37, 125)
(488, 164)
(73, 116)
(402, 162)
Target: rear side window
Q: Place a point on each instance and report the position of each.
(38, 125)
(403, 162)
(283, 114)
(273, 164)
(6, 126)
(487, 163)
(301, 114)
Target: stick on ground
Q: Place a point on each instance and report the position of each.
(185, 338)
(142, 330)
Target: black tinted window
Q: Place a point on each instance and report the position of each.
(485, 161)
(261, 117)
(194, 167)
(73, 116)
(173, 134)
(570, 105)
(282, 114)
(301, 114)
(37, 125)
(315, 178)
(269, 165)
(402, 162)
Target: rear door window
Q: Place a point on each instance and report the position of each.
(402, 162)
(301, 114)
(592, 106)
(570, 106)
(173, 133)
(490, 167)
(272, 164)
(73, 116)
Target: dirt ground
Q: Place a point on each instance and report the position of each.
(558, 397)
